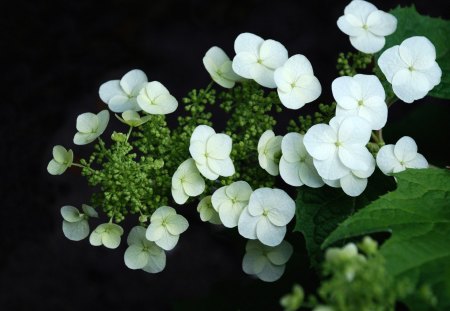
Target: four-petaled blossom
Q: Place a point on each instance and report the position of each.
(296, 165)
(154, 98)
(230, 201)
(207, 211)
(363, 96)
(218, 65)
(187, 182)
(211, 152)
(339, 147)
(62, 159)
(90, 126)
(258, 59)
(120, 95)
(296, 83)
(269, 152)
(366, 25)
(165, 227)
(265, 262)
(411, 68)
(266, 216)
(75, 224)
(142, 253)
(394, 159)
(132, 118)
(107, 234)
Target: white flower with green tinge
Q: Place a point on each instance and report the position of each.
(187, 182)
(258, 59)
(399, 157)
(266, 216)
(75, 224)
(411, 68)
(207, 211)
(132, 118)
(362, 96)
(90, 126)
(62, 159)
(154, 98)
(107, 234)
(229, 201)
(165, 227)
(211, 152)
(366, 25)
(269, 152)
(296, 165)
(120, 95)
(142, 253)
(265, 262)
(296, 83)
(218, 65)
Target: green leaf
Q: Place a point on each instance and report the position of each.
(410, 23)
(417, 214)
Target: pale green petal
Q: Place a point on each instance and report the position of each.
(136, 235)
(55, 168)
(176, 224)
(167, 241)
(89, 210)
(239, 190)
(95, 238)
(155, 232)
(254, 263)
(87, 122)
(219, 197)
(162, 212)
(179, 196)
(271, 273)
(75, 231)
(111, 239)
(135, 257)
(193, 184)
(280, 254)
(70, 213)
(103, 118)
(59, 154)
(114, 228)
(156, 261)
(84, 138)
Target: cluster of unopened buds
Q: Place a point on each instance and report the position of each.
(335, 154)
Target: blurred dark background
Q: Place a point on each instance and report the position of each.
(55, 55)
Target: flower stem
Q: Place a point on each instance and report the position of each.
(129, 132)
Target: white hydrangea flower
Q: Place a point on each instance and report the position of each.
(142, 253)
(187, 182)
(219, 66)
(296, 165)
(266, 216)
(62, 159)
(296, 83)
(265, 262)
(230, 201)
(154, 98)
(258, 59)
(411, 68)
(75, 224)
(165, 227)
(339, 147)
(269, 152)
(362, 96)
(211, 152)
(207, 211)
(120, 95)
(107, 234)
(90, 126)
(366, 25)
(394, 159)
(132, 118)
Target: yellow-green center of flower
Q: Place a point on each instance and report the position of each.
(338, 144)
(360, 102)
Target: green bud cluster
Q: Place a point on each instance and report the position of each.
(325, 113)
(348, 64)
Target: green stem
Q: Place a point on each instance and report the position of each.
(129, 132)
(82, 166)
(209, 86)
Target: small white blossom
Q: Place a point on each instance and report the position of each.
(394, 159)
(75, 224)
(266, 216)
(143, 254)
(366, 25)
(265, 262)
(211, 152)
(120, 95)
(107, 234)
(219, 66)
(362, 96)
(165, 227)
(258, 59)
(230, 201)
(411, 68)
(62, 159)
(90, 126)
(207, 211)
(187, 182)
(154, 98)
(296, 83)
(269, 152)
(132, 118)
(296, 165)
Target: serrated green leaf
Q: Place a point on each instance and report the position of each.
(417, 214)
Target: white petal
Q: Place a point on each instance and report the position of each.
(206, 171)
(136, 235)
(419, 161)
(154, 98)
(273, 54)
(386, 159)
(243, 64)
(155, 232)
(418, 52)
(390, 62)
(370, 86)
(223, 167)
(197, 149)
(176, 224)
(156, 262)
(103, 119)
(280, 254)
(368, 43)
(219, 146)
(262, 75)
(163, 212)
(375, 111)
(55, 168)
(133, 81)
(433, 74)
(167, 241)
(268, 233)
(308, 174)
(194, 184)
(247, 225)
(331, 168)
(360, 8)
(87, 122)
(355, 158)
(111, 240)
(217, 56)
(272, 167)
(333, 183)
(259, 199)
(239, 190)
(371, 167)
(271, 273)
(179, 196)
(75, 231)
(290, 173)
(405, 149)
(219, 196)
(110, 89)
(202, 133)
(410, 85)
(121, 103)
(264, 139)
(347, 26)
(381, 23)
(230, 213)
(135, 257)
(354, 131)
(83, 138)
(292, 147)
(346, 92)
(352, 185)
(320, 141)
(247, 42)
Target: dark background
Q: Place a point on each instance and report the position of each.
(55, 55)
